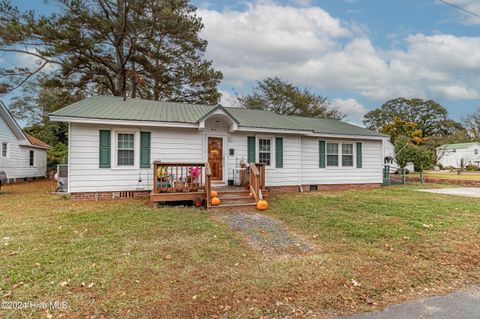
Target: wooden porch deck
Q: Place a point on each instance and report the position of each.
(192, 182)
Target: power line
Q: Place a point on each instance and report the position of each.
(460, 8)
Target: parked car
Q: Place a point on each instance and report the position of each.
(3, 179)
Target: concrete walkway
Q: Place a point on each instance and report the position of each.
(461, 191)
(458, 305)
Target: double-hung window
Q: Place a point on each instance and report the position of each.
(347, 155)
(126, 149)
(265, 151)
(4, 149)
(332, 154)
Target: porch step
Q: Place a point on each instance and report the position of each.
(233, 193)
(250, 206)
(237, 200)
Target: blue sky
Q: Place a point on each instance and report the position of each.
(358, 53)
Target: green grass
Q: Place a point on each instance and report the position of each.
(375, 237)
(371, 216)
(465, 175)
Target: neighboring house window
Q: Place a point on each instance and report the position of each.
(126, 149)
(476, 151)
(32, 158)
(332, 154)
(4, 149)
(265, 150)
(454, 150)
(347, 154)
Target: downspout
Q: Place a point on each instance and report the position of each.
(300, 164)
(69, 157)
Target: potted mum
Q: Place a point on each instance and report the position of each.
(163, 181)
(192, 178)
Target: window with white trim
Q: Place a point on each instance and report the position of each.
(125, 149)
(265, 151)
(332, 154)
(347, 155)
(4, 149)
(476, 151)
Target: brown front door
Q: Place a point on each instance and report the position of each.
(215, 155)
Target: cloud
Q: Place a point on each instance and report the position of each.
(302, 3)
(309, 47)
(31, 62)
(228, 99)
(469, 5)
(352, 108)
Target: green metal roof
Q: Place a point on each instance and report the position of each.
(115, 108)
(458, 145)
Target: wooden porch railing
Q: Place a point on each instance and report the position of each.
(178, 177)
(208, 184)
(257, 180)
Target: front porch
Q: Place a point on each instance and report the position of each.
(175, 181)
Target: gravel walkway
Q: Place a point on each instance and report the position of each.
(266, 234)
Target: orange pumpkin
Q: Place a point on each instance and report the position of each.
(213, 194)
(262, 205)
(215, 201)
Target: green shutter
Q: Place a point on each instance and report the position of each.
(145, 149)
(251, 149)
(359, 155)
(104, 149)
(279, 152)
(321, 147)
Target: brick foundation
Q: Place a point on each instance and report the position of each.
(81, 196)
(24, 179)
(323, 187)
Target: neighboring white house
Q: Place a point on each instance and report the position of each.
(389, 157)
(454, 155)
(112, 143)
(22, 156)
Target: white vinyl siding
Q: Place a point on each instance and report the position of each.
(371, 171)
(17, 162)
(189, 145)
(167, 145)
(453, 157)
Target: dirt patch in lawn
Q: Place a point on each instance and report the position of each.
(266, 234)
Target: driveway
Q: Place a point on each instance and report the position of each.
(462, 191)
(458, 305)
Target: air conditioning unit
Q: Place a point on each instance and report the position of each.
(3, 179)
(62, 178)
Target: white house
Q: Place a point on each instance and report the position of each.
(454, 155)
(113, 142)
(389, 159)
(22, 156)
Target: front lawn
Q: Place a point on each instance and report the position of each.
(125, 259)
(465, 175)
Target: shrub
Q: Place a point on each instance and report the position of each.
(472, 168)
